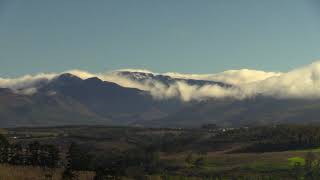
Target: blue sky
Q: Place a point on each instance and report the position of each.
(189, 36)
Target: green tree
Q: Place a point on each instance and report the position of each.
(310, 161)
(199, 162)
(34, 150)
(189, 159)
(48, 156)
(298, 170)
(4, 145)
(151, 160)
(111, 165)
(68, 173)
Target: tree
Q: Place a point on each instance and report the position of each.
(298, 170)
(309, 160)
(199, 162)
(68, 173)
(111, 165)
(48, 156)
(4, 145)
(79, 158)
(316, 170)
(189, 159)
(151, 160)
(34, 150)
(16, 155)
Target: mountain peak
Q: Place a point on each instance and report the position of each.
(94, 79)
(67, 77)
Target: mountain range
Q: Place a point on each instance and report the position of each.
(68, 99)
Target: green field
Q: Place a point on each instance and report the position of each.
(241, 153)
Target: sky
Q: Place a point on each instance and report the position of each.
(187, 36)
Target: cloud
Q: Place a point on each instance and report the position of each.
(299, 83)
(234, 77)
(187, 92)
(302, 82)
(161, 90)
(26, 84)
(136, 70)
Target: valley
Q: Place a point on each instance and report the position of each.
(177, 153)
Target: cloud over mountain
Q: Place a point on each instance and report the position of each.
(302, 82)
(299, 83)
(26, 84)
(234, 77)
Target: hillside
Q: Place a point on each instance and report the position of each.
(69, 100)
(249, 112)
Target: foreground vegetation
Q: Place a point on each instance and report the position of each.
(14, 172)
(273, 152)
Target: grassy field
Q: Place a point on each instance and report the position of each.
(174, 146)
(262, 163)
(219, 162)
(9, 172)
(214, 162)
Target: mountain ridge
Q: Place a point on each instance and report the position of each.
(70, 100)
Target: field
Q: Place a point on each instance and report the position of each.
(181, 152)
(9, 172)
(260, 163)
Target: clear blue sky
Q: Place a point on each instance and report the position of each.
(191, 36)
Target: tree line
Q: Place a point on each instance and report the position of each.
(34, 154)
(272, 138)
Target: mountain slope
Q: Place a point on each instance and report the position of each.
(68, 99)
(108, 99)
(248, 112)
(166, 80)
(44, 110)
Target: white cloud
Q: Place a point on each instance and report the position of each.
(234, 77)
(135, 70)
(299, 83)
(25, 84)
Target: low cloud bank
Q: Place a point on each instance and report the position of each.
(299, 83)
(234, 77)
(26, 84)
